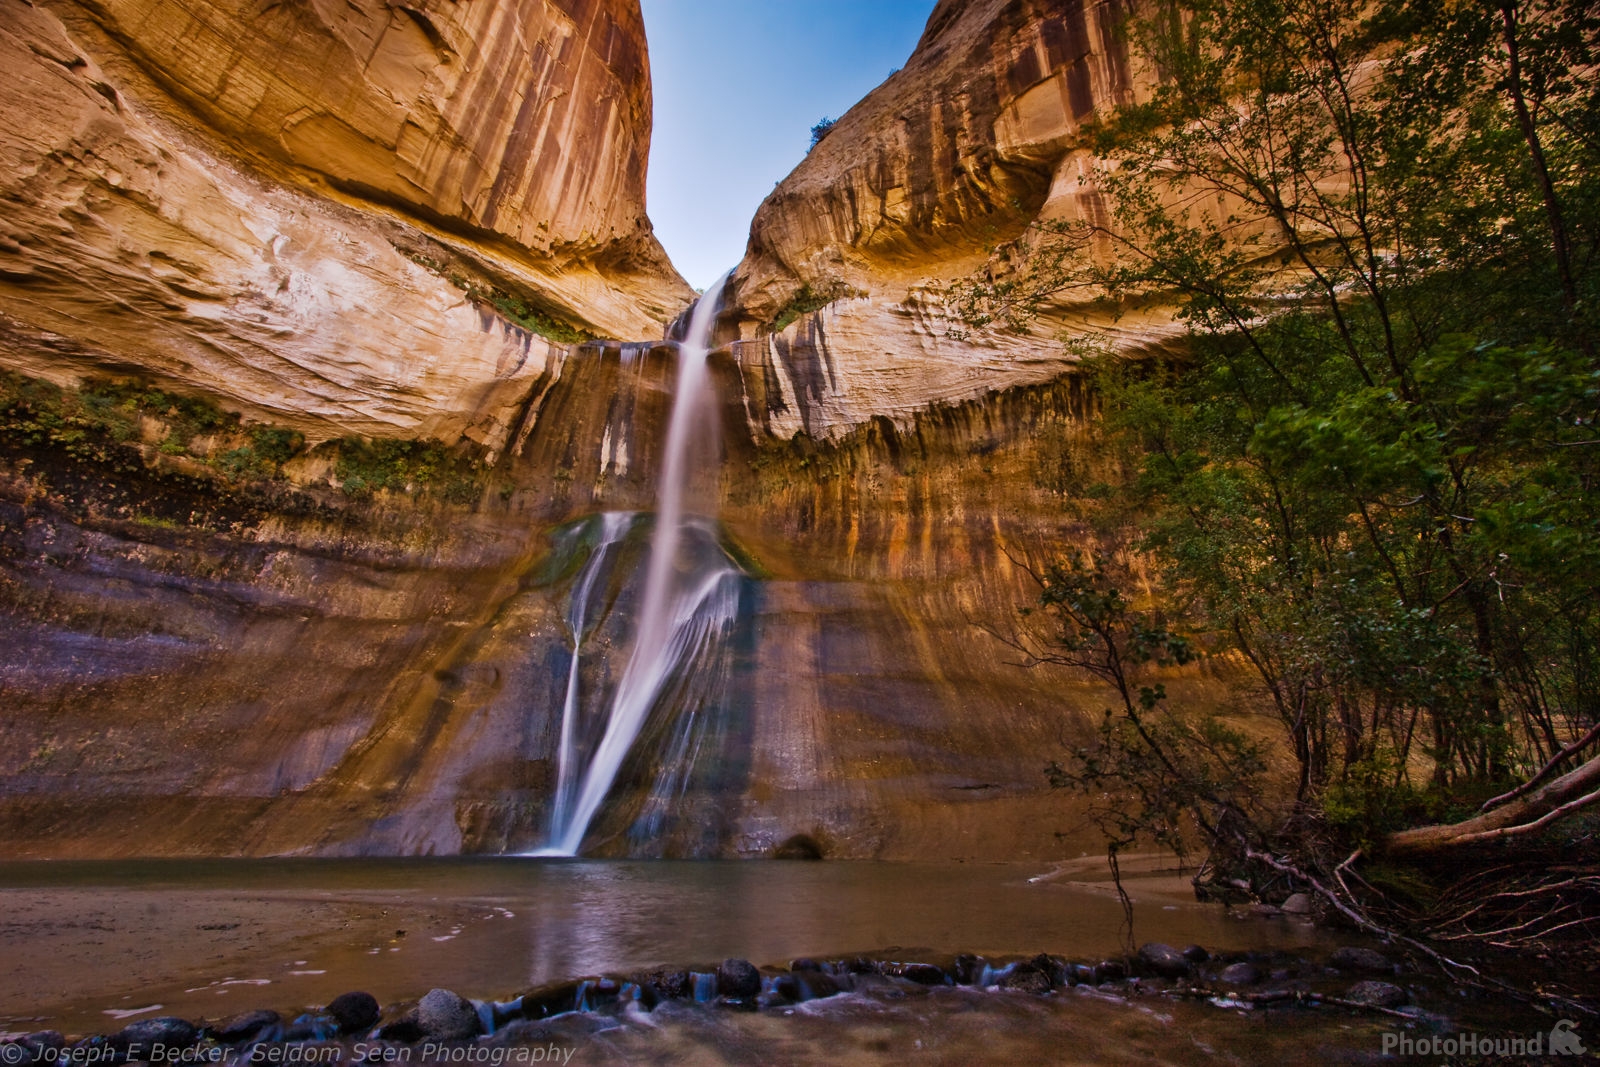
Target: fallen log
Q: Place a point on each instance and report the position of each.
(1572, 792)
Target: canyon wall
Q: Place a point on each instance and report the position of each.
(315, 674)
(919, 185)
(308, 211)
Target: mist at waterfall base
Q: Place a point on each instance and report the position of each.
(667, 699)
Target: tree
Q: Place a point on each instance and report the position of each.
(823, 127)
(1377, 465)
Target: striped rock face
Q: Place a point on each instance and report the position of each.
(299, 209)
(917, 186)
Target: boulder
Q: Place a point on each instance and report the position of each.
(168, 1031)
(813, 985)
(969, 968)
(1240, 974)
(354, 1012)
(1297, 904)
(664, 984)
(555, 998)
(738, 978)
(1111, 971)
(1164, 961)
(447, 1016)
(405, 1029)
(1371, 994)
(1025, 978)
(920, 973)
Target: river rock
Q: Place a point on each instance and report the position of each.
(1163, 960)
(738, 978)
(42, 1046)
(355, 1011)
(168, 1031)
(522, 1033)
(920, 973)
(1240, 974)
(405, 1029)
(246, 1027)
(664, 984)
(1111, 971)
(553, 999)
(1366, 960)
(814, 985)
(1372, 994)
(969, 968)
(318, 1026)
(1195, 954)
(1297, 904)
(1025, 978)
(447, 1016)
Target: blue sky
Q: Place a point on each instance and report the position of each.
(738, 85)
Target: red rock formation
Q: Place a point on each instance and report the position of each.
(958, 152)
(265, 203)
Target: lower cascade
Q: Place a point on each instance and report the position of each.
(687, 609)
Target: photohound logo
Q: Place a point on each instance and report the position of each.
(1564, 1042)
(1561, 1041)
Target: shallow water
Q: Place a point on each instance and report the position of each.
(90, 945)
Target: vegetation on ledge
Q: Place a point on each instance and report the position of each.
(807, 300)
(512, 307)
(166, 459)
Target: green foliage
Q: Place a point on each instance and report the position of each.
(515, 308)
(823, 127)
(807, 300)
(520, 311)
(1376, 469)
(1153, 776)
(366, 467)
(100, 423)
(1371, 799)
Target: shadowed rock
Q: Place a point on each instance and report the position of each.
(446, 1016)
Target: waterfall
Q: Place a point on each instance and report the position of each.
(684, 613)
(613, 525)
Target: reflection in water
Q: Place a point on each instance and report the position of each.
(157, 929)
(97, 938)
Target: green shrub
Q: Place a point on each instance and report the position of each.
(365, 467)
(808, 300)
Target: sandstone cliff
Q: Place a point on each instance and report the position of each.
(275, 667)
(306, 210)
(954, 155)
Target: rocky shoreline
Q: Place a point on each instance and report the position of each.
(544, 1024)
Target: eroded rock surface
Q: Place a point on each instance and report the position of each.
(913, 188)
(284, 206)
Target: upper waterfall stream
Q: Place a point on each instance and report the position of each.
(690, 602)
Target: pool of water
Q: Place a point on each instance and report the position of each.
(91, 946)
(204, 938)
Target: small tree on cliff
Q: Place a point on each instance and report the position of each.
(823, 127)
